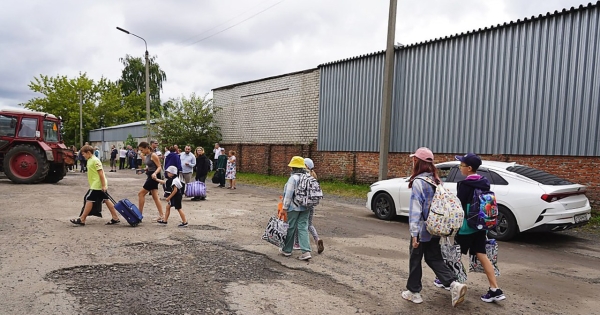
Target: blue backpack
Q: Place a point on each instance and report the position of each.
(482, 213)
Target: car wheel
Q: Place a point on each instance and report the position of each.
(384, 207)
(507, 225)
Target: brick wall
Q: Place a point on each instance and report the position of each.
(277, 110)
(363, 167)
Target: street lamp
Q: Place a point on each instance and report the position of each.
(147, 82)
(80, 118)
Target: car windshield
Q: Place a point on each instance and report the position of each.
(50, 131)
(538, 175)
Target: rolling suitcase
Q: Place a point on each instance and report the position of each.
(128, 210)
(195, 189)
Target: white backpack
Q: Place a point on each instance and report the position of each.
(308, 191)
(445, 212)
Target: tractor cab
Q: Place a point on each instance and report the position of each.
(31, 147)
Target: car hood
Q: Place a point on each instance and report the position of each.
(392, 181)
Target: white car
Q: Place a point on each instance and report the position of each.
(528, 199)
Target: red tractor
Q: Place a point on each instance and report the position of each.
(31, 148)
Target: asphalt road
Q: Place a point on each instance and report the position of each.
(220, 265)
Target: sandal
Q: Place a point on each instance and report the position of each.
(77, 222)
(112, 221)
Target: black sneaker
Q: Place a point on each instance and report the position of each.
(183, 224)
(492, 296)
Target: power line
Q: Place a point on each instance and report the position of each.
(233, 18)
(219, 32)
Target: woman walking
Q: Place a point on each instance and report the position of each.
(153, 169)
(423, 244)
(297, 214)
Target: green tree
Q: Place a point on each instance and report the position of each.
(188, 121)
(103, 104)
(131, 141)
(133, 81)
(61, 98)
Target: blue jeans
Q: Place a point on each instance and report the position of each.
(298, 221)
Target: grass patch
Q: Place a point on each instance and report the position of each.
(336, 188)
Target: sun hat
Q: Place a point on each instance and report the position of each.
(423, 154)
(297, 162)
(172, 169)
(309, 163)
(470, 159)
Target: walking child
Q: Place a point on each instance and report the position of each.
(173, 195)
(98, 187)
(470, 239)
(423, 244)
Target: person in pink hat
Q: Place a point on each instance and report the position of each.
(423, 244)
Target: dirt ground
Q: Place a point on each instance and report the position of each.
(220, 264)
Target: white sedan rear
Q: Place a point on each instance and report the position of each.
(528, 199)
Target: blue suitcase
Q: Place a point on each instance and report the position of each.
(128, 210)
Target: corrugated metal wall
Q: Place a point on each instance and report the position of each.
(531, 88)
(118, 134)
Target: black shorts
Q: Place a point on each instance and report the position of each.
(95, 196)
(150, 183)
(175, 202)
(473, 243)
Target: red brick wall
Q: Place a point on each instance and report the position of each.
(363, 167)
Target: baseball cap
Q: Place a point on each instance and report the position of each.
(423, 154)
(172, 169)
(470, 159)
(309, 163)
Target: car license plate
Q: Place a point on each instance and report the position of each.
(580, 218)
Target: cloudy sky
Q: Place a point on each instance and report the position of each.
(207, 44)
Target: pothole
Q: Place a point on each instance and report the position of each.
(190, 278)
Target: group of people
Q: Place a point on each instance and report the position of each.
(300, 218)
(178, 169)
(423, 244)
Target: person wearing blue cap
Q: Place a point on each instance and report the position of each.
(470, 239)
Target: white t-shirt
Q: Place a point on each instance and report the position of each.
(218, 152)
(122, 153)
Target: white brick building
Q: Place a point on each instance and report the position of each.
(282, 109)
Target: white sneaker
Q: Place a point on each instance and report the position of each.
(284, 253)
(413, 297)
(458, 291)
(305, 256)
(296, 246)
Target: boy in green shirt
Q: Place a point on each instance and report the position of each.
(98, 186)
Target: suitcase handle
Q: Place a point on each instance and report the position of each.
(110, 198)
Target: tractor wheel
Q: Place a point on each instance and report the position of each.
(56, 173)
(25, 164)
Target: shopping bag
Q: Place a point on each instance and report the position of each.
(451, 254)
(276, 232)
(281, 214)
(491, 250)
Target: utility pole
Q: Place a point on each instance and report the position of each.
(147, 95)
(388, 80)
(80, 118)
